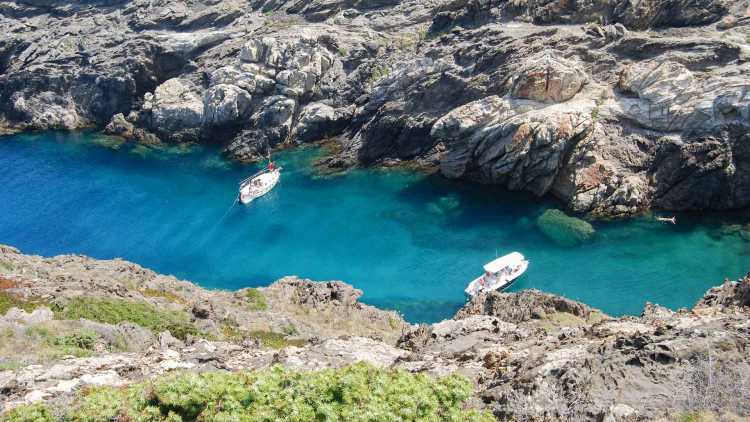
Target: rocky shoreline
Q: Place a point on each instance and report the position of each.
(612, 107)
(71, 323)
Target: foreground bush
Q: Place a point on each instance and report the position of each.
(357, 393)
(564, 230)
(33, 412)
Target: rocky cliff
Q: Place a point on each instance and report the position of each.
(72, 323)
(611, 106)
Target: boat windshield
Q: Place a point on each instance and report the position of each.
(502, 272)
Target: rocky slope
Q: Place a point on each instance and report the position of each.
(531, 355)
(611, 106)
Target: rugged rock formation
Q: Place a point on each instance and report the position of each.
(303, 307)
(541, 357)
(531, 355)
(613, 107)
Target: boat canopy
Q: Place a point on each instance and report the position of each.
(510, 260)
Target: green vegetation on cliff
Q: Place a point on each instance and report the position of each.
(356, 393)
(115, 311)
(255, 300)
(8, 300)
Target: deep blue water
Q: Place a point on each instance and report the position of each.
(410, 241)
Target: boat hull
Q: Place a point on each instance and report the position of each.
(475, 287)
(258, 186)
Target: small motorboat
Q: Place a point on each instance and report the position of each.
(499, 274)
(260, 183)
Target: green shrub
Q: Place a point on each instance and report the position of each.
(8, 301)
(564, 230)
(595, 114)
(356, 393)
(9, 365)
(255, 300)
(290, 330)
(115, 311)
(31, 413)
(170, 296)
(82, 340)
(378, 72)
(6, 266)
(273, 339)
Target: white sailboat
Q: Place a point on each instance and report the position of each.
(260, 183)
(499, 274)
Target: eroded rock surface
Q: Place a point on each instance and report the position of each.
(537, 356)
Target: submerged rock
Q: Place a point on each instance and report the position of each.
(563, 229)
(445, 205)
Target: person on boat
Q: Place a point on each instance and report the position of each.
(271, 166)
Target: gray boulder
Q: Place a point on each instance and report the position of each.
(548, 78)
(47, 110)
(319, 121)
(120, 126)
(177, 112)
(225, 104)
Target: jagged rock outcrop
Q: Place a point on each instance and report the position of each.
(511, 142)
(537, 356)
(730, 294)
(615, 106)
(532, 304)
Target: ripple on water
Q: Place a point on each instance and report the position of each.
(410, 241)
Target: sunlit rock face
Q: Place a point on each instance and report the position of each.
(548, 78)
(602, 108)
(176, 110)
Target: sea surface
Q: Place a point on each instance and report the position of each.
(410, 241)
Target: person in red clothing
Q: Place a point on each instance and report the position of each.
(271, 165)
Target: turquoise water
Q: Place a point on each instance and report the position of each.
(410, 241)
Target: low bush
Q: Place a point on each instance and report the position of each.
(8, 300)
(356, 393)
(115, 311)
(274, 340)
(255, 300)
(170, 296)
(82, 340)
(230, 331)
(31, 413)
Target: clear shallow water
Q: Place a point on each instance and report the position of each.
(411, 242)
